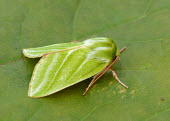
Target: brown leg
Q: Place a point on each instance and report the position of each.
(114, 73)
(92, 82)
(96, 77)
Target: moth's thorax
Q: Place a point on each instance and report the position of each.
(102, 48)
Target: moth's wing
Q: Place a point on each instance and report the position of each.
(59, 70)
(40, 51)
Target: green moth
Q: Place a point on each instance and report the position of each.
(65, 64)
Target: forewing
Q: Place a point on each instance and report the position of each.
(59, 70)
(40, 51)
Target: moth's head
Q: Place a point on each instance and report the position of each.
(117, 53)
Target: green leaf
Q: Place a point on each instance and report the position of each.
(140, 25)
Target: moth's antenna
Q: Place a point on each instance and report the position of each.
(12, 61)
(122, 49)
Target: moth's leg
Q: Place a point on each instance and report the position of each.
(114, 73)
(122, 49)
(96, 77)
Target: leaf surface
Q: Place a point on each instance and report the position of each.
(143, 26)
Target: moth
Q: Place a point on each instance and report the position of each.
(65, 64)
